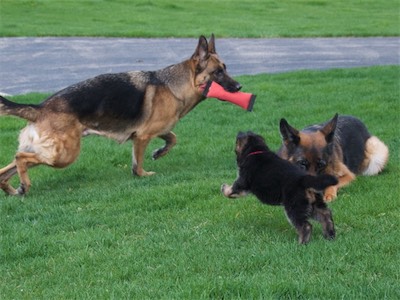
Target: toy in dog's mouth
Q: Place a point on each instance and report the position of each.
(214, 90)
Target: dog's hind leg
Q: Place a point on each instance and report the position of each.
(297, 214)
(304, 231)
(139, 148)
(170, 141)
(5, 175)
(23, 161)
(323, 215)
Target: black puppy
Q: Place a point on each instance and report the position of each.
(275, 181)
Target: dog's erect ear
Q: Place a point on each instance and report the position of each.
(201, 55)
(329, 129)
(201, 52)
(241, 138)
(289, 134)
(211, 44)
(254, 138)
(241, 141)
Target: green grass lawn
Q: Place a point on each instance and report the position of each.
(92, 231)
(189, 18)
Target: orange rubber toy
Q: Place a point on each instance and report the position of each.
(244, 100)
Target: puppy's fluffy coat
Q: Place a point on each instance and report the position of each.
(275, 181)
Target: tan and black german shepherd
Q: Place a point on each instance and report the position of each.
(137, 106)
(341, 147)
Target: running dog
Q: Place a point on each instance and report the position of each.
(341, 147)
(137, 106)
(275, 181)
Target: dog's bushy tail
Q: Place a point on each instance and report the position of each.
(26, 111)
(319, 182)
(376, 156)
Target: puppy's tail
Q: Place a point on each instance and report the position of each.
(376, 156)
(319, 182)
(28, 112)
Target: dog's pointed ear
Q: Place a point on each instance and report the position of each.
(241, 141)
(290, 135)
(241, 137)
(211, 44)
(201, 52)
(329, 129)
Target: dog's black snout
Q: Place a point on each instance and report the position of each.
(238, 86)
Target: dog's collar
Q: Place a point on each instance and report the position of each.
(254, 153)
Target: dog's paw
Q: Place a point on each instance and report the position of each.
(141, 172)
(21, 190)
(330, 234)
(158, 153)
(226, 190)
(150, 173)
(329, 197)
(330, 194)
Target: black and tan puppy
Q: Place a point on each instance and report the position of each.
(137, 106)
(275, 181)
(341, 147)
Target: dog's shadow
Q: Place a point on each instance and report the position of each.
(262, 223)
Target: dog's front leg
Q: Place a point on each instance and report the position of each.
(330, 193)
(139, 148)
(170, 141)
(345, 176)
(234, 191)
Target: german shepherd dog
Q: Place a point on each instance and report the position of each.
(275, 181)
(341, 147)
(137, 106)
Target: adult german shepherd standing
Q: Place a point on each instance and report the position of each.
(137, 106)
(342, 147)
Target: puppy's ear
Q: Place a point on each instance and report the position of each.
(290, 135)
(241, 141)
(241, 135)
(329, 129)
(242, 138)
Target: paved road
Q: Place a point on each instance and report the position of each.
(50, 64)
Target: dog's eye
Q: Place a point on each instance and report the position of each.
(218, 72)
(303, 164)
(321, 164)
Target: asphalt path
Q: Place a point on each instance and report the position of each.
(50, 64)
